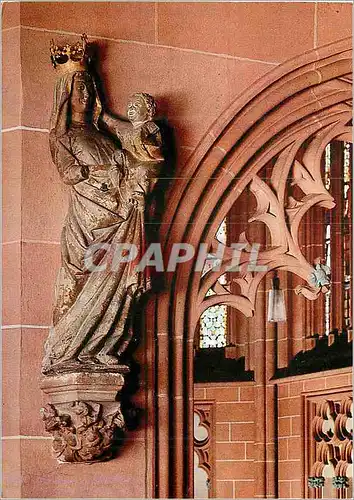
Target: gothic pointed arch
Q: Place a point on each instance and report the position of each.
(306, 100)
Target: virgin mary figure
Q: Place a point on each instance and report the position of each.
(94, 304)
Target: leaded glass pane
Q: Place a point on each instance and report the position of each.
(327, 304)
(346, 231)
(328, 166)
(213, 322)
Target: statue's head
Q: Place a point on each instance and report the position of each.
(83, 92)
(75, 88)
(141, 107)
(74, 92)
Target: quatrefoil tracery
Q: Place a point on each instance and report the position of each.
(332, 429)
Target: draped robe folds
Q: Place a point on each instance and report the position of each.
(94, 307)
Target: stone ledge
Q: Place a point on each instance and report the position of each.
(82, 386)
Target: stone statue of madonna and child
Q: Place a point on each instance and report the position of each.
(110, 177)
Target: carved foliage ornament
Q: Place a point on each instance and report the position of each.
(340, 482)
(316, 482)
(80, 432)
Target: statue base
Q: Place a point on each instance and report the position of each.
(83, 415)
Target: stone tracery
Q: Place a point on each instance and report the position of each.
(332, 430)
(282, 214)
(203, 440)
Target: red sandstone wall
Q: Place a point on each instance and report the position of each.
(195, 59)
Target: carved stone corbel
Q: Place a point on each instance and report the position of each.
(83, 415)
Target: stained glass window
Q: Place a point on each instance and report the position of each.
(346, 232)
(327, 304)
(213, 324)
(213, 321)
(328, 166)
(340, 241)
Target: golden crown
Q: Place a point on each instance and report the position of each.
(68, 58)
